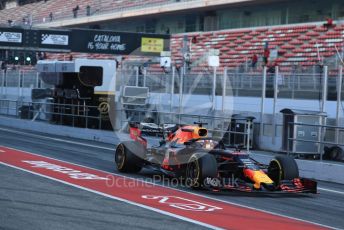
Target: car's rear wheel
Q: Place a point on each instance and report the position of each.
(283, 168)
(125, 158)
(336, 153)
(200, 166)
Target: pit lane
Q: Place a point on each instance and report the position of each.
(325, 208)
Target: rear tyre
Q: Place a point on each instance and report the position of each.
(200, 167)
(283, 168)
(129, 156)
(336, 153)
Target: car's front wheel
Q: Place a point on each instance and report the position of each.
(200, 167)
(283, 168)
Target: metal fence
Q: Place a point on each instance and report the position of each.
(294, 85)
(17, 80)
(305, 84)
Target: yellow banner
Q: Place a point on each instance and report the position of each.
(152, 45)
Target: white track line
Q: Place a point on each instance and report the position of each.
(56, 139)
(331, 190)
(196, 194)
(118, 199)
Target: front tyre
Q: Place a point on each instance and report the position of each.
(283, 168)
(200, 167)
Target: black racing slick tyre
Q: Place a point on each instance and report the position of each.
(200, 166)
(336, 153)
(129, 156)
(283, 168)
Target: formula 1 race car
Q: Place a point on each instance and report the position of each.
(202, 162)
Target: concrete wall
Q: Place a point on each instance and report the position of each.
(325, 171)
(86, 134)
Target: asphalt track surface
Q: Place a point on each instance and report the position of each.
(31, 202)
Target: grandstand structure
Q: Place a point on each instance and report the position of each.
(238, 29)
(304, 45)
